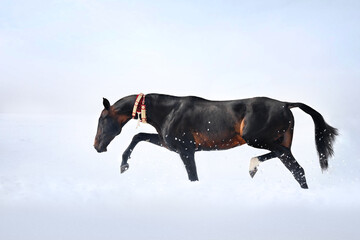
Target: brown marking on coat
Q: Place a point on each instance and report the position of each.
(242, 125)
(120, 118)
(205, 141)
(288, 136)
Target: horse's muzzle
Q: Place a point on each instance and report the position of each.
(100, 149)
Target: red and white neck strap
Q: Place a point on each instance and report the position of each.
(140, 109)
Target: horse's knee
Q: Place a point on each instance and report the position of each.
(135, 140)
(138, 137)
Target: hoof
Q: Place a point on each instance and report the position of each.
(194, 180)
(124, 167)
(254, 164)
(252, 173)
(304, 186)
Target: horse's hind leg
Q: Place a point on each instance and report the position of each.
(294, 167)
(255, 161)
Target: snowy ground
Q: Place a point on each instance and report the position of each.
(54, 185)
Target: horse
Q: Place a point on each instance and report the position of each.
(189, 124)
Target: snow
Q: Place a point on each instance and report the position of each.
(53, 184)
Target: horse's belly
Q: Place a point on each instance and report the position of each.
(204, 141)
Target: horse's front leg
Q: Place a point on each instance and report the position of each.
(189, 161)
(148, 137)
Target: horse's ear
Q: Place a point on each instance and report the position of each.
(106, 103)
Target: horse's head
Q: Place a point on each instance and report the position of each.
(109, 126)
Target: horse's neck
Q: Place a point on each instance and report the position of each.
(158, 107)
(125, 105)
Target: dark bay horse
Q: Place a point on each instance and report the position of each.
(189, 124)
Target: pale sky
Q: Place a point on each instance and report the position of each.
(64, 56)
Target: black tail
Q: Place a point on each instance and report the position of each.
(324, 134)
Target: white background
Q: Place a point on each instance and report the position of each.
(59, 58)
